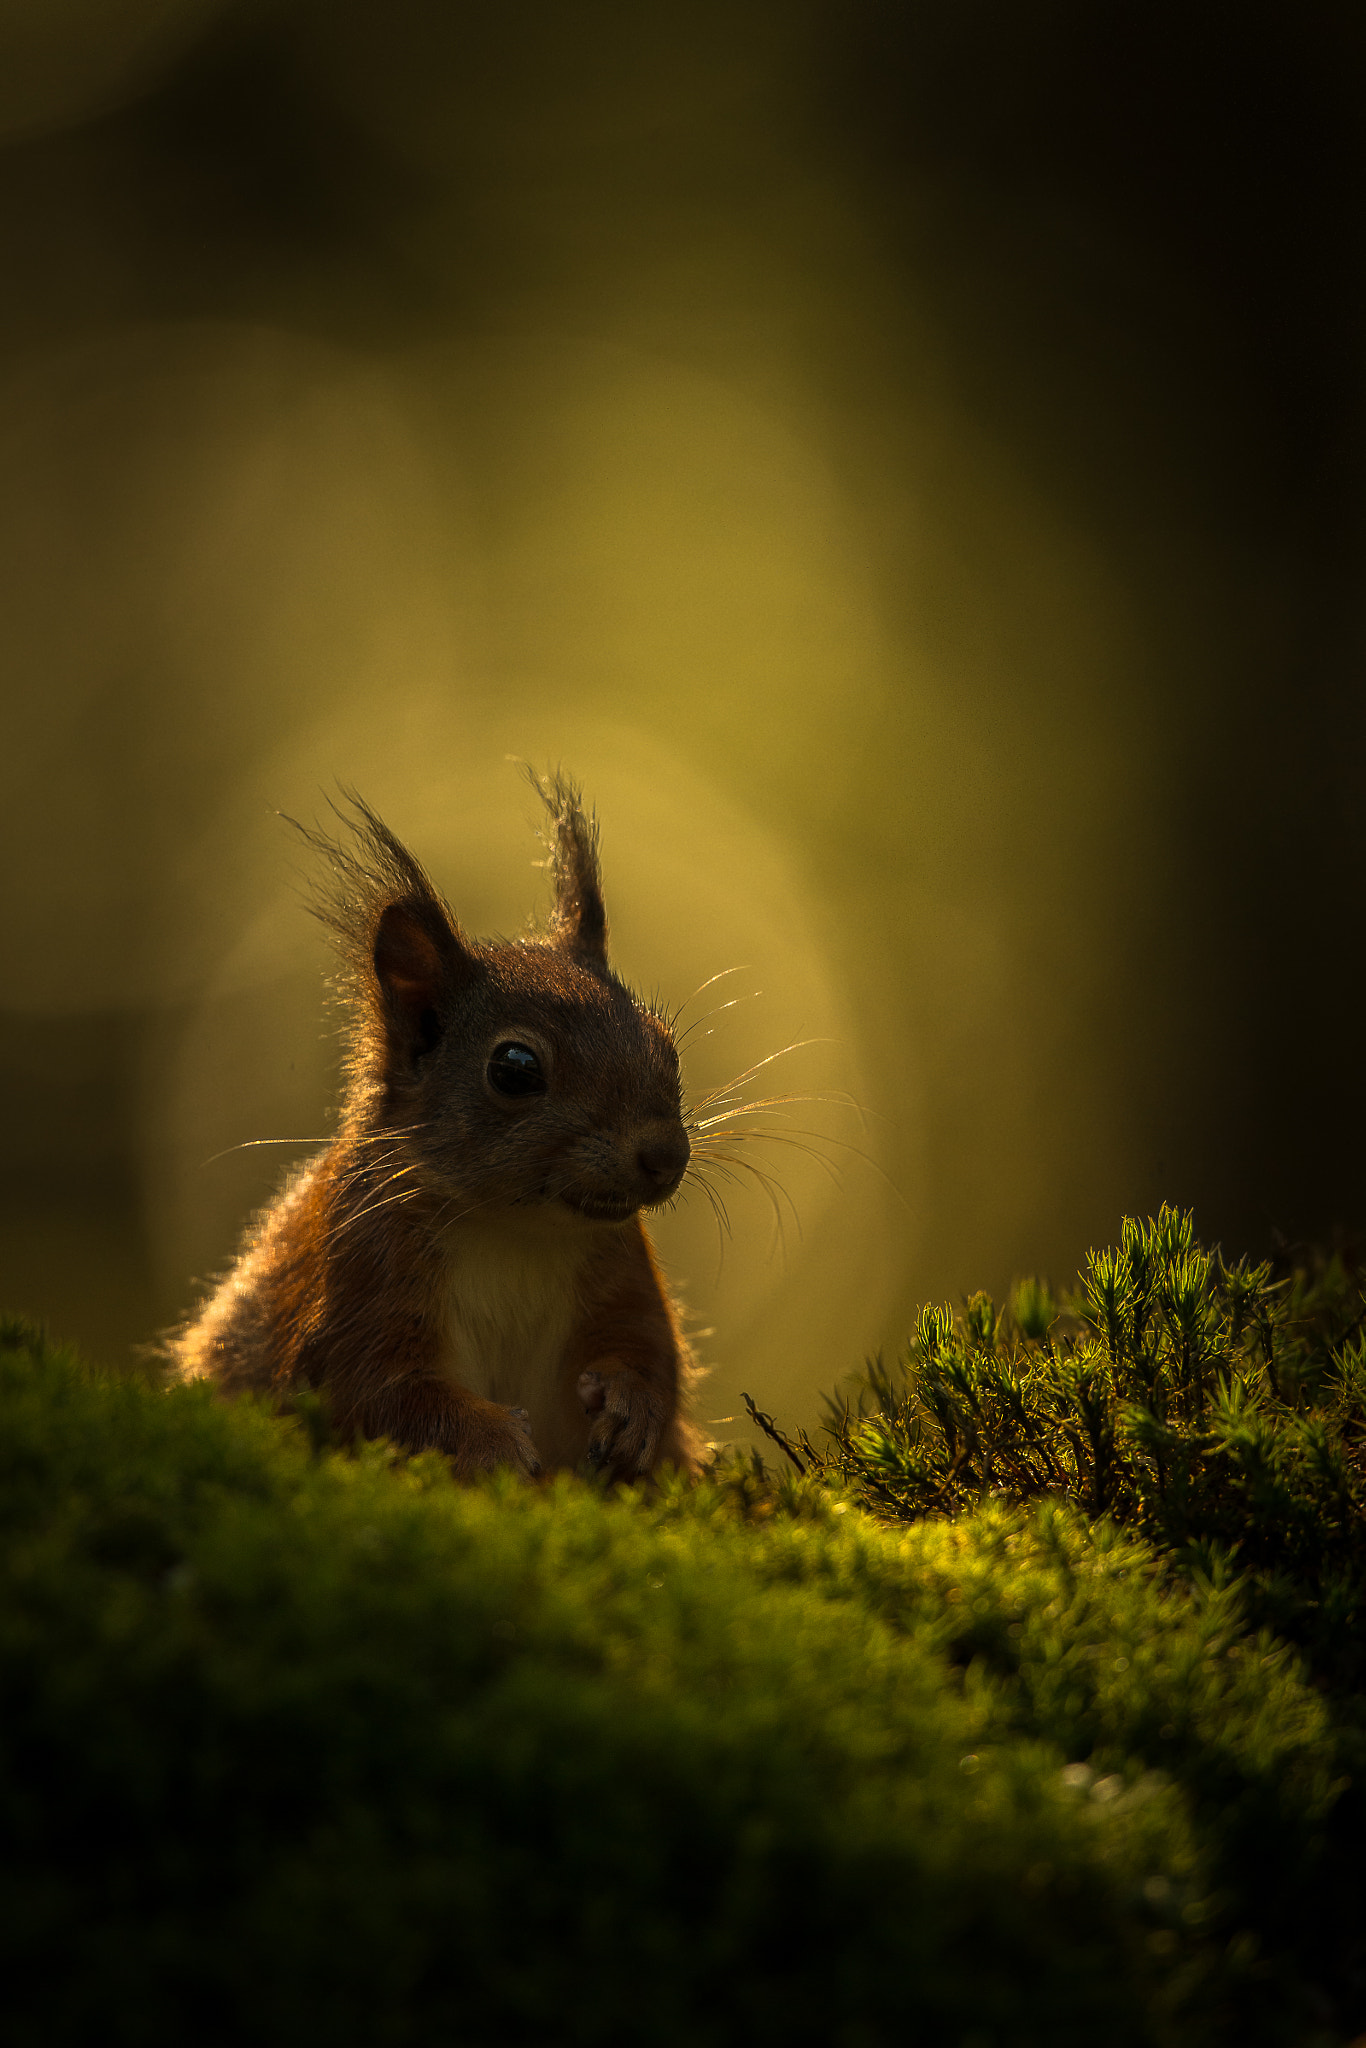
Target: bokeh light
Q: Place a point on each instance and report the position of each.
(878, 528)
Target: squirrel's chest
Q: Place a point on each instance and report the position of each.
(513, 1297)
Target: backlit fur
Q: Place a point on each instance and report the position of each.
(463, 1270)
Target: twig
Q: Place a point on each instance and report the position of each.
(771, 1430)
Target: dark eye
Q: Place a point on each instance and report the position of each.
(515, 1070)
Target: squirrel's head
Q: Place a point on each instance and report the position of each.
(521, 1072)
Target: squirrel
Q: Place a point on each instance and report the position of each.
(465, 1268)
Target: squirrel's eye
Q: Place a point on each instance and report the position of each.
(515, 1070)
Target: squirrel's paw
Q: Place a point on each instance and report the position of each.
(501, 1436)
(528, 1456)
(628, 1423)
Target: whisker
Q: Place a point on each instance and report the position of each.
(804, 1140)
(738, 1080)
(710, 982)
(719, 1208)
(375, 1189)
(366, 1178)
(699, 1178)
(375, 1183)
(373, 1209)
(443, 1219)
(827, 1166)
(715, 1128)
(250, 1145)
(719, 1211)
(352, 1138)
(773, 1189)
(769, 1182)
(682, 1037)
(773, 1104)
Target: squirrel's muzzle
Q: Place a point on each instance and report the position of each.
(661, 1162)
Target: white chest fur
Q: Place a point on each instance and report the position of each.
(513, 1293)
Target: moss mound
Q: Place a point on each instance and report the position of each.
(297, 1743)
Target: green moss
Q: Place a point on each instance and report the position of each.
(302, 1744)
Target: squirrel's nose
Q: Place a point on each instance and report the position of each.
(663, 1162)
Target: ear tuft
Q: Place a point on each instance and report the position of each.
(398, 939)
(579, 920)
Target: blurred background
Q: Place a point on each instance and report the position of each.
(905, 459)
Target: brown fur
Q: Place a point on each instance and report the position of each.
(464, 1270)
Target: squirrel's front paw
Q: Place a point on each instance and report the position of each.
(628, 1423)
(527, 1455)
(500, 1436)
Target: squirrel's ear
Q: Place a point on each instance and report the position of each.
(418, 960)
(579, 922)
(397, 938)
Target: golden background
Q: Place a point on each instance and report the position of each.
(904, 461)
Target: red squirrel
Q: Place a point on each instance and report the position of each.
(465, 1268)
